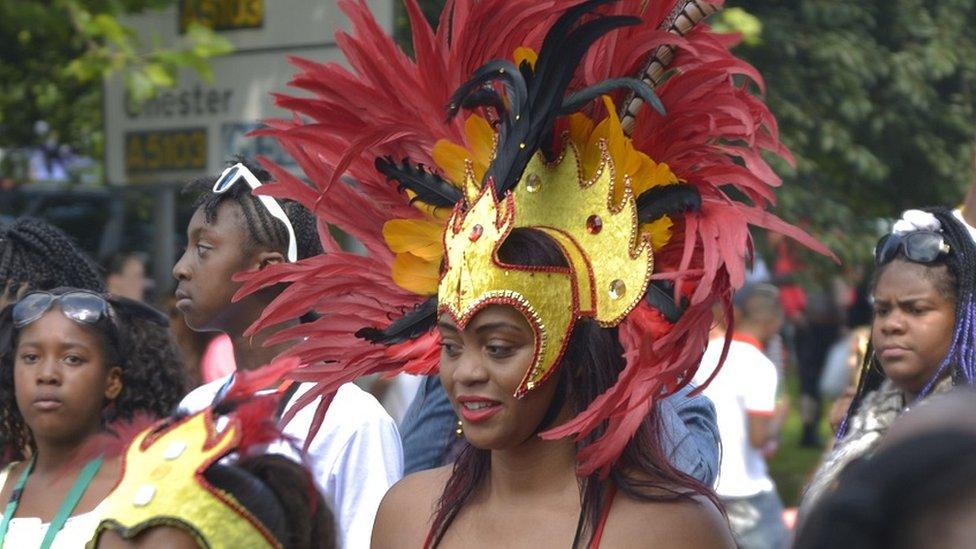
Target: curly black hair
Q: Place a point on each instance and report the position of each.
(153, 377)
(41, 256)
(263, 229)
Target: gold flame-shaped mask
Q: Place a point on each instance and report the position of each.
(163, 485)
(609, 261)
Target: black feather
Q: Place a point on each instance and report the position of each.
(640, 88)
(486, 97)
(411, 325)
(556, 64)
(659, 295)
(667, 200)
(503, 71)
(561, 29)
(429, 187)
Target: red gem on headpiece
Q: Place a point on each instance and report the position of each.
(476, 233)
(594, 224)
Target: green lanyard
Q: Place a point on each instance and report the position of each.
(67, 506)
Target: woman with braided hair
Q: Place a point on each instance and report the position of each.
(923, 334)
(35, 255)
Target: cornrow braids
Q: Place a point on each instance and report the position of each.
(263, 229)
(42, 257)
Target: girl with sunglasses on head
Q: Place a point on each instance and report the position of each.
(923, 334)
(35, 255)
(72, 364)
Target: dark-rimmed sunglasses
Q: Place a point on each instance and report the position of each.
(918, 246)
(81, 306)
(239, 172)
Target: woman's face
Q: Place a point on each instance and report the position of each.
(61, 379)
(913, 323)
(482, 366)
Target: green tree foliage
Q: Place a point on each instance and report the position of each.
(875, 98)
(55, 54)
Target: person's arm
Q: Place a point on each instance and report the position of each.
(691, 439)
(764, 414)
(764, 427)
(428, 427)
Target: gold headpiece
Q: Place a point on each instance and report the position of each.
(163, 485)
(610, 261)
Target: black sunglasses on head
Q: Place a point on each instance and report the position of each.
(81, 306)
(917, 246)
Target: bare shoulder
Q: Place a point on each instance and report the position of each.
(407, 508)
(695, 524)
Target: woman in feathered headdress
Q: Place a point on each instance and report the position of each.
(557, 260)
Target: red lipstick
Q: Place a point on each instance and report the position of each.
(477, 409)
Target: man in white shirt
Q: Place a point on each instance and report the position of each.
(356, 454)
(744, 394)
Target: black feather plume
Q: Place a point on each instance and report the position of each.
(486, 97)
(573, 103)
(660, 296)
(536, 97)
(667, 200)
(503, 71)
(429, 187)
(411, 325)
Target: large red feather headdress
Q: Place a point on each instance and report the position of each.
(386, 165)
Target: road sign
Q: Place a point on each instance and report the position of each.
(193, 129)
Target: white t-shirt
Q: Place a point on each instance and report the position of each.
(355, 457)
(746, 384)
(30, 531)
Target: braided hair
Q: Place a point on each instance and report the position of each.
(263, 229)
(958, 284)
(42, 257)
(153, 378)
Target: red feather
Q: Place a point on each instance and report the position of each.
(387, 104)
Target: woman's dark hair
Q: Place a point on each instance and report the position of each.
(263, 229)
(591, 364)
(954, 274)
(904, 496)
(282, 495)
(153, 380)
(42, 257)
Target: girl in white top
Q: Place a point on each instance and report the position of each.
(71, 362)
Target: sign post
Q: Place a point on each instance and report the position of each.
(192, 130)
